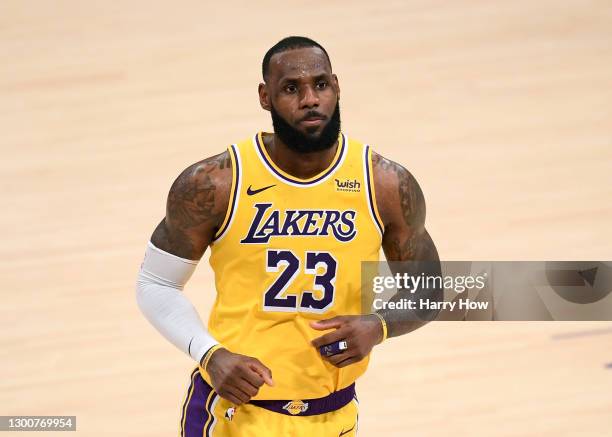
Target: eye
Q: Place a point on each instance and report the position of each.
(291, 88)
(321, 84)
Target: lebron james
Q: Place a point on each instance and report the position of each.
(289, 216)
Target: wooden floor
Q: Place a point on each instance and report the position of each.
(502, 110)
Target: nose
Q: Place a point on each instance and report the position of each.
(309, 98)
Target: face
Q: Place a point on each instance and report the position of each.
(303, 97)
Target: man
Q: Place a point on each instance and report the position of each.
(289, 217)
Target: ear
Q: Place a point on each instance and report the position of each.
(264, 97)
(336, 84)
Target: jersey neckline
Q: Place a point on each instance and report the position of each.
(293, 180)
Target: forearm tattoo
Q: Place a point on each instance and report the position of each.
(407, 241)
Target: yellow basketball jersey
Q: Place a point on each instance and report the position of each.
(289, 253)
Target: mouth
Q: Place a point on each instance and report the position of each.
(313, 121)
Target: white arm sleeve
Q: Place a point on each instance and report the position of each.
(159, 295)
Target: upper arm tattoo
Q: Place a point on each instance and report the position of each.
(402, 208)
(197, 203)
(406, 237)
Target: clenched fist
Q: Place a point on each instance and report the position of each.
(236, 377)
(361, 334)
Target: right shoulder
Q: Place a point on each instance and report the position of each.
(196, 207)
(199, 196)
(214, 172)
(202, 190)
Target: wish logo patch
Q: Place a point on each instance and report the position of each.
(348, 185)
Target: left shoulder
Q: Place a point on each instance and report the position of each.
(397, 191)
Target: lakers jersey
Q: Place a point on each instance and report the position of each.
(288, 253)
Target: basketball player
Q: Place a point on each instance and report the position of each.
(288, 216)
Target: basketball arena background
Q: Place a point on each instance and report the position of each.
(501, 110)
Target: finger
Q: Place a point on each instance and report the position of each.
(265, 373)
(330, 337)
(230, 397)
(252, 377)
(335, 359)
(322, 325)
(238, 393)
(337, 347)
(247, 388)
(338, 358)
(348, 361)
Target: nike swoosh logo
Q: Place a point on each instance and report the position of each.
(347, 431)
(250, 191)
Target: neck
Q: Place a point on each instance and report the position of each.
(299, 165)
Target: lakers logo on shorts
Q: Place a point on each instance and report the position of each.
(296, 407)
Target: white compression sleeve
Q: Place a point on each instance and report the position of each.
(159, 295)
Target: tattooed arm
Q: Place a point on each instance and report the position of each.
(401, 205)
(402, 208)
(196, 203)
(196, 206)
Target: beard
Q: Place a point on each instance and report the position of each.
(307, 143)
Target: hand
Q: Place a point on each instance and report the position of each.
(236, 377)
(361, 333)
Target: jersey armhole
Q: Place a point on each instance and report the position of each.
(371, 192)
(234, 193)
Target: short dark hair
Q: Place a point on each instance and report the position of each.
(289, 43)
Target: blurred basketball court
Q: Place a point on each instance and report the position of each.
(501, 110)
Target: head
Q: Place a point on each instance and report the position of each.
(302, 94)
